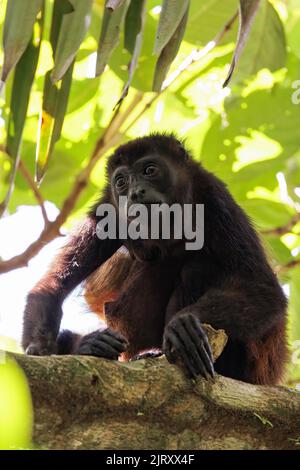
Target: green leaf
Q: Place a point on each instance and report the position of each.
(171, 16)
(247, 12)
(134, 21)
(144, 71)
(19, 20)
(265, 46)
(55, 101)
(72, 32)
(134, 28)
(169, 53)
(21, 88)
(212, 15)
(110, 33)
(55, 97)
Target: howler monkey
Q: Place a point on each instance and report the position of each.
(154, 292)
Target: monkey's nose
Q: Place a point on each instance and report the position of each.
(137, 195)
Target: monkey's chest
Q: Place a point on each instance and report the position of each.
(139, 312)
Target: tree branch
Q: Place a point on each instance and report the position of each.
(35, 190)
(27, 176)
(94, 403)
(283, 228)
(285, 267)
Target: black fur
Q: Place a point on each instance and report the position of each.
(164, 298)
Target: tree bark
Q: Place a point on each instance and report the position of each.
(82, 402)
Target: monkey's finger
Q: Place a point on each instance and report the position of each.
(180, 351)
(96, 351)
(95, 346)
(116, 335)
(108, 348)
(198, 326)
(120, 346)
(197, 340)
(188, 341)
(208, 363)
(167, 350)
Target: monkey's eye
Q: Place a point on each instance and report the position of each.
(150, 170)
(120, 182)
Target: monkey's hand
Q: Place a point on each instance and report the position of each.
(186, 341)
(106, 343)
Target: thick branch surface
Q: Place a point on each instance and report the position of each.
(89, 403)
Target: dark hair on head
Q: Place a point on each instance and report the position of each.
(167, 144)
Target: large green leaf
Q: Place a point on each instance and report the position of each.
(265, 46)
(110, 33)
(72, 32)
(169, 53)
(21, 88)
(207, 18)
(19, 20)
(247, 11)
(171, 16)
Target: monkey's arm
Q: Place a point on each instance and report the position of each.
(82, 254)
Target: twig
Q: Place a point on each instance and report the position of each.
(290, 265)
(27, 176)
(35, 190)
(283, 228)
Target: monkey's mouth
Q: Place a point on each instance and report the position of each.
(146, 204)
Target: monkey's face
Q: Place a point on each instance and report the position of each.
(148, 180)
